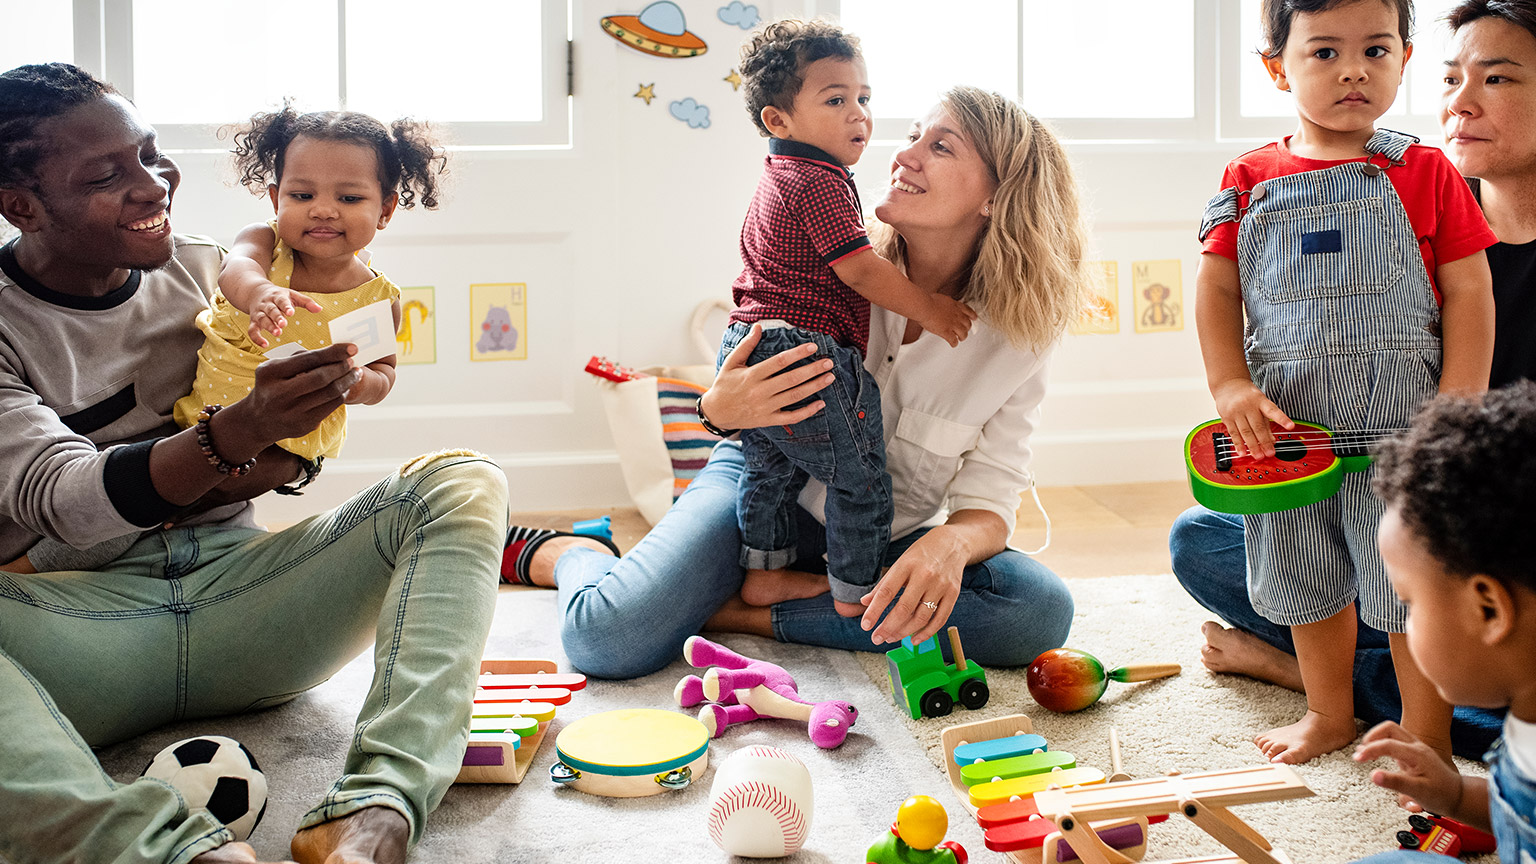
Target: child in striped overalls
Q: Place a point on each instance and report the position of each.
(1357, 256)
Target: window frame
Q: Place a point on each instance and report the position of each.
(1200, 126)
(1218, 118)
(103, 40)
(1236, 127)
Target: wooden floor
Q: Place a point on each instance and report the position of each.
(1095, 530)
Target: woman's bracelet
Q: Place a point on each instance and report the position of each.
(205, 441)
(709, 427)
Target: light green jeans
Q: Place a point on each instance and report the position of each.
(205, 621)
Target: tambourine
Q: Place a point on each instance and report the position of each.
(631, 753)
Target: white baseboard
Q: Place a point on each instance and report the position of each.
(1096, 459)
(591, 479)
(558, 481)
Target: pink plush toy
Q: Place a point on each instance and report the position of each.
(740, 690)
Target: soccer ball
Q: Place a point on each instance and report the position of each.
(215, 774)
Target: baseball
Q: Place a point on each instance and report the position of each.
(760, 803)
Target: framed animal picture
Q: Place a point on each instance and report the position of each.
(417, 336)
(1158, 290)
(1101, 313)
(498, 321)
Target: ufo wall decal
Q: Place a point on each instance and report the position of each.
(659, 30)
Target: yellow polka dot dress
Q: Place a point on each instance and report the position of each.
(226, 364)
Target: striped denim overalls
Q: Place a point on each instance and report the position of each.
(1343, 330)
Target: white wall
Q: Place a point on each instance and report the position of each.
(619, 238)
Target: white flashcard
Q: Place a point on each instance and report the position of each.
(285, 350)
(371, 329)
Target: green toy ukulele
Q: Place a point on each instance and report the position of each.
(1309, 465)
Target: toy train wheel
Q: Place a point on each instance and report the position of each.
(974, 694)
(936, 703)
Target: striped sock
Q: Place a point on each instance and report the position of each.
(522, 542)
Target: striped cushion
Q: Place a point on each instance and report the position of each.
(688, 444)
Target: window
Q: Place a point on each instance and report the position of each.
(1077, 64)
(495, 71)
(1112, 70)
(1084, 65)
(952, 48)
(49, 28)
(1264, 111)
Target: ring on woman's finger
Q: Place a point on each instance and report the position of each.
(930, 605)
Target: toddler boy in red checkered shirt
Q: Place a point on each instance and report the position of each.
(809, 275)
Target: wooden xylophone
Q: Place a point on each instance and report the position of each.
(514, 702)
(1036, 807)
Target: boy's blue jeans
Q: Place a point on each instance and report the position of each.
(843, 446)
(210, 620)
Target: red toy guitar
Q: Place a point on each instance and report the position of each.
(602, 367)
(1309, 465)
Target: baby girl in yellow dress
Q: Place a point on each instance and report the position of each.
(335, 178)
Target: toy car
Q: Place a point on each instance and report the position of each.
(926, 686)
(1447, 836)
(1426, 836)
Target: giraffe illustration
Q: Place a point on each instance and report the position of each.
(404, 336)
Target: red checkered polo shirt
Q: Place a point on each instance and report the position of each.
(804, 217)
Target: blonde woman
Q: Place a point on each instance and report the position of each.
(981, 206)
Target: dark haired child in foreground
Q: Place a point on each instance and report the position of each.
(809, 275)
(1460, 491)
(1343, 282)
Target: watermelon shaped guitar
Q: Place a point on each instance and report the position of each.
(1309, 465)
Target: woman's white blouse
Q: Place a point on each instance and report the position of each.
(957, 422)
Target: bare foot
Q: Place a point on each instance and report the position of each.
(372, 835)
(230, 853)
(848, 610)
(767, 587)
(1307, 738)
(1237, 652)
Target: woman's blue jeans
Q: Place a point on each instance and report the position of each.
(627, 617)
(1209, 561)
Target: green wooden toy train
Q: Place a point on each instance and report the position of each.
(927, 686)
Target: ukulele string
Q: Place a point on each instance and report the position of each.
(1318, 440)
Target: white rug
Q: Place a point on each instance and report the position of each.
(857, 787)
(1194, 722)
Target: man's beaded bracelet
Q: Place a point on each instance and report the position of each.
(709, 427)
(205, 441)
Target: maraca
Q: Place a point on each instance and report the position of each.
(1065, 680)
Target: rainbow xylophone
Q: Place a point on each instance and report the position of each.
(997, 766)
(1035, 807)
(514, 702)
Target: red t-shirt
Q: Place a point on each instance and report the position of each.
(1445, 217)
(804, 217)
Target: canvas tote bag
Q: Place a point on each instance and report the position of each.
(656, 430)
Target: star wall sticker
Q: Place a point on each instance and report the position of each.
(646, 92)
(734, 79)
